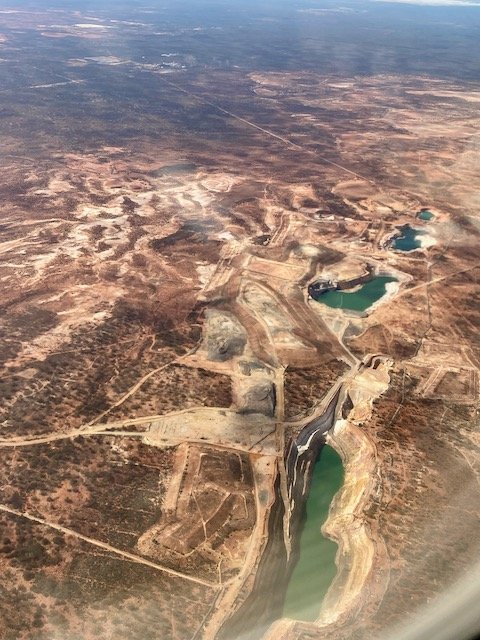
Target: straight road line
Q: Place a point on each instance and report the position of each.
(286, 141)
(103, 545)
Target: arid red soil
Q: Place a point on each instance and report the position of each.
(160, 226)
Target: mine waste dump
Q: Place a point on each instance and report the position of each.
(315, 568)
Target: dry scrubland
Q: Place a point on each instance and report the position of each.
(137, 284)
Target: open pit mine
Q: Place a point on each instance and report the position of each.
(239, 262)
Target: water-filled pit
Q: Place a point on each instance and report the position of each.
(316, 568)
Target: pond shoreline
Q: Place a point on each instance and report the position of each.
(372, 291)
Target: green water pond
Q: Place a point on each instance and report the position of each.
(316, 569)
(359, 300)
(426, 215)
(409, 239)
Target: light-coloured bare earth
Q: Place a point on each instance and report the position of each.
(159, 345)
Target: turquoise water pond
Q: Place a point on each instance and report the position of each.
(359, 300)
(426, 215)
(409, 240)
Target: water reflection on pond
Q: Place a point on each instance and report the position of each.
(409, 239)
(316, 567)
(359, 299)
(426, 215)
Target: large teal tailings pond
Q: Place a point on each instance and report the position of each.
(316, 569)
(359, 300)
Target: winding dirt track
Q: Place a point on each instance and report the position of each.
(114, 428)
(133, 390)
(141, 382)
